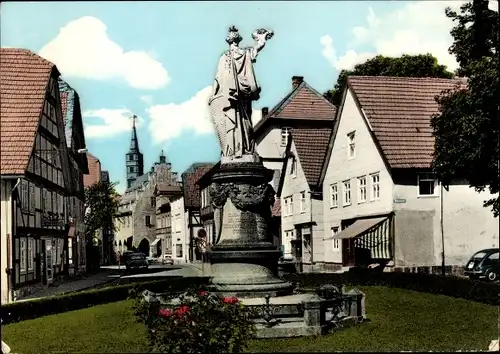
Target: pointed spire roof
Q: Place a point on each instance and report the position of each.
(134, 142)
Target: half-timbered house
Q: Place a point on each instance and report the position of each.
(34, 173)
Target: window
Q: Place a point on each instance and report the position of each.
(148, 220)
(43, 198)
(334, 197)
(347, 192)
(361, 189)
(375, 186)
(32, 197)
(24, 195)
(153, 202)
(336, 241)
(30, 254)
(285, 207)
(427, 184)
(285, 133)
(293, 168)
(178, 251)
(22, 255)
(290, 206)
(351, 152)
(302, 202)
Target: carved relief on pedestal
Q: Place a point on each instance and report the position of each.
(246, 197)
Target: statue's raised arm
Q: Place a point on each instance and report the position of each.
(261, 36)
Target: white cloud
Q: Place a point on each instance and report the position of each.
(416, 28)
(83, 49)
(115, 121)
(147, 99)
(169, 121)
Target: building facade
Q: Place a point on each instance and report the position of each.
(382, 203)
(35, 175)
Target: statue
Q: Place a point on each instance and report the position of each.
(235, 88)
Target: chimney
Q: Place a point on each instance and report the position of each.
(265, 111)
(297, 80)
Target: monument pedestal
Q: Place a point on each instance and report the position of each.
(244, 261)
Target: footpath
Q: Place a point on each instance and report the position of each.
(70, 285)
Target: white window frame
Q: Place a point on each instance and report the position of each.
(427, 177)
(346, 189)
(303, 202)
(290, 205)
(362, 189)
(22, 254)
(31, 255)
(285, 207)
(375, 186)
(285, 135)
(336, 241)
(334, 195)
(351, 145)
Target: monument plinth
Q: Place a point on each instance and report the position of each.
(244, 259)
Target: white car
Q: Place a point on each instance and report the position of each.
(167, 259)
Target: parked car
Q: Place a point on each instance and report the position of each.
(484, 265)
(167, 259)
(124, 255)
(151, 260)
(136, 260)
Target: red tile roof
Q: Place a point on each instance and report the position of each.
(302, 103)
(167, 189)
(399, 111)
(312, 146)
(94, 175)
(276, 209)
(192, 197)
(24, 77)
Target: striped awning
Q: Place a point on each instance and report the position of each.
(358, 228)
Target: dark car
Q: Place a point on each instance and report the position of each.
(136, 260)
(484, 265)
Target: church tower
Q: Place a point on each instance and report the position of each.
(134, 160)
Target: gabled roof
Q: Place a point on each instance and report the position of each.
(204, 180)
(397, 110)
(192, 198)
(302, 103)
(24, 77)
(311, 145)
(165, 188)
(94, 175)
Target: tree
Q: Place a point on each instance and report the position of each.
(466, 128)
(101, 205)
(421, 65)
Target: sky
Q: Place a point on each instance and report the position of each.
(157, 60)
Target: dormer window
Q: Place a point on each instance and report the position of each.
(285, 134)
(293, 167)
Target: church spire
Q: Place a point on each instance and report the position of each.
(134, 159)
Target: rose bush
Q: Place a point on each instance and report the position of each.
(198, 322)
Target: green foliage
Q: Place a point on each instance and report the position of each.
(467, 125)
(201, 322)
(463, 288)
(422, 65)
(20, 311)
(101, 202)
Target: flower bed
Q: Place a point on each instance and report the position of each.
(196, 322)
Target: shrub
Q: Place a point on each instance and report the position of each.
(24, 310)
(487, 293)
(199, 322)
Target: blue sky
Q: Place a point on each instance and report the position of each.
(157, 59)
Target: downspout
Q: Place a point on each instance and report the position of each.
(10, 267)
(443, 268)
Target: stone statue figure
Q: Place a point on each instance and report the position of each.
(234, 89)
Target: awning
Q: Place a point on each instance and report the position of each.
(358, 228)
(155, 242)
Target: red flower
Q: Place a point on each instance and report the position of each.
(230, 300)
(203, 293)
(181, 311)
(165, 313)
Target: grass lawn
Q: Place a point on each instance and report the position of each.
(398, 320)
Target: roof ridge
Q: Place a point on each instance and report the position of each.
(286, 99)
(316, 92)
(405, 78)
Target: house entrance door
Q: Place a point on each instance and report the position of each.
(49, 260)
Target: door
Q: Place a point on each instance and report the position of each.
(49, 260)
(348, 254)
(43, 262)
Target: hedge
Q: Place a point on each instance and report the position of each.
(24, 310)
(478, 291)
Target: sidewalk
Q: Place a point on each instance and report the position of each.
(71, 285)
